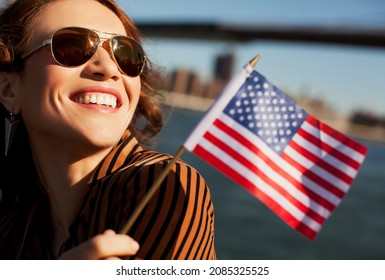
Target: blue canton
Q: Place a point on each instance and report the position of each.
(263, 109)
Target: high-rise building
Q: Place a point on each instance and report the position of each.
(224, 65)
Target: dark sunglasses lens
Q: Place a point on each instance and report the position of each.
(129, 55)
(74, 46)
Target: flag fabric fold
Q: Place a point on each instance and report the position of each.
(296, 165)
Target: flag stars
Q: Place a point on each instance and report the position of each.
(265, 111)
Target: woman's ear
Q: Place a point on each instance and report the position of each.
(8, 97)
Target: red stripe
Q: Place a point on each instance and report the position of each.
(275, 207)
(303, 188)
(254, 169)
(313, 177)
(329, 149)
(337, 135)
(321, 163)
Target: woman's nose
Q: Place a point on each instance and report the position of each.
(103, 63)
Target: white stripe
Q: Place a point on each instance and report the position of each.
(353, 154)
(258, 183)
(297, 175)
(335, 181)
(273, 175)
(341, 166)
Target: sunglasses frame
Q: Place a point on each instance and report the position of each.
(101, 40)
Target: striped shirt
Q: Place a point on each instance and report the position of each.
(177, 223)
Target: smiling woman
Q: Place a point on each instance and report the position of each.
(72, 90)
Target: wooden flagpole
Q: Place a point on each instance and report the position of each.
(126, 228)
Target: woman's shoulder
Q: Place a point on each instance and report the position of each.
(153, 163)
(179, 182)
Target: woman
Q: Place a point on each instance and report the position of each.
(75, 82)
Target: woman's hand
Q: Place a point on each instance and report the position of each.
(105, 246)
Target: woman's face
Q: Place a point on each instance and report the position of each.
(49, 94)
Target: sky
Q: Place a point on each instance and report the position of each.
(347, 77)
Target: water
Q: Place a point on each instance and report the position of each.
(246, 229)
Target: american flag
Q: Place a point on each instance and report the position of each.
(296, 165)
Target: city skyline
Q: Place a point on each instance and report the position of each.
(188, 81)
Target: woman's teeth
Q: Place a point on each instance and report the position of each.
(100, 99)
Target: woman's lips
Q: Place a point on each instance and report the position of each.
(97, 96)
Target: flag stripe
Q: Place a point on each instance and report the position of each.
(296, 177)
(315, 160)
(257, 183)
(340, 157)
(296, 188)
(221, 162)
(290, 158)
(335, 139)
(294, 196)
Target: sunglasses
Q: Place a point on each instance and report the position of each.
(74, 46)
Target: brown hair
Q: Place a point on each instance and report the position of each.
(16, 23)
